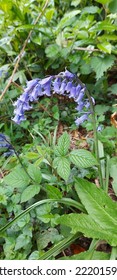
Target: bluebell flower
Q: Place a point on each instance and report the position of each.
(81, 119)
(65, 83)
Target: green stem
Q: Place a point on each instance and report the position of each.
(95, 138)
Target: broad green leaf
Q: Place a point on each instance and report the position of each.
(51, 235)
(113, 6)
(98, 204)
(82, 158)
(53, 192)
(113, 89)
(22, 241)
(63, 168)
(63, 144)
(90, 228)
(105, 47)
(91, 10)
(52, 50)
(34, 173)
(100, 65)
(30, 192)
(66, 19)
(88, 255)
(17, 178)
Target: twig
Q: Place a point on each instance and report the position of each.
(22, 51)
(86, 49)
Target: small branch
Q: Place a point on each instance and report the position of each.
(22, 51)
(86, 49)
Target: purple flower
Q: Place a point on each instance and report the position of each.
(65, 83)
(81, 119)
(46, 85)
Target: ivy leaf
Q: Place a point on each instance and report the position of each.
(30, 192)
(82, 158)
(101, 65)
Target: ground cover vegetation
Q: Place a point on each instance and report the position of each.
(58, 129)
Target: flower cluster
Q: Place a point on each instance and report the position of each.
(65, 83)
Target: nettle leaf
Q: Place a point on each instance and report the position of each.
(34, 173)
(63, 168)
(30, 192)
(82, 158)
(91, 229)
(17, 178)
(101, 65)
(63, 144)
(98, 204)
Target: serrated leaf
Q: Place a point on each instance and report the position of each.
(91, 229)
(34, 173)
(63, 168)
(30, 192)
(82, 158)
(101, 65)
(17, 178)
(98, 204)
(63, 144)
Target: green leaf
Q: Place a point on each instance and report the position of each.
(34, 173)
(22, 241)
(82, 158)
(49, 13)
(63, 144)
(88, 255)
(53, 192)
(101, 65)
(91, 10)
(51, 235)
(98, 204)
(52, 50)
(113, 89)
(113, 6)
(66, 19)
(103, 1)
(113, 172)
(75, 3)
(105, 47)
(32, 155)
(17, 178)
(63, 168)
(90, 228)
(30, 192)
